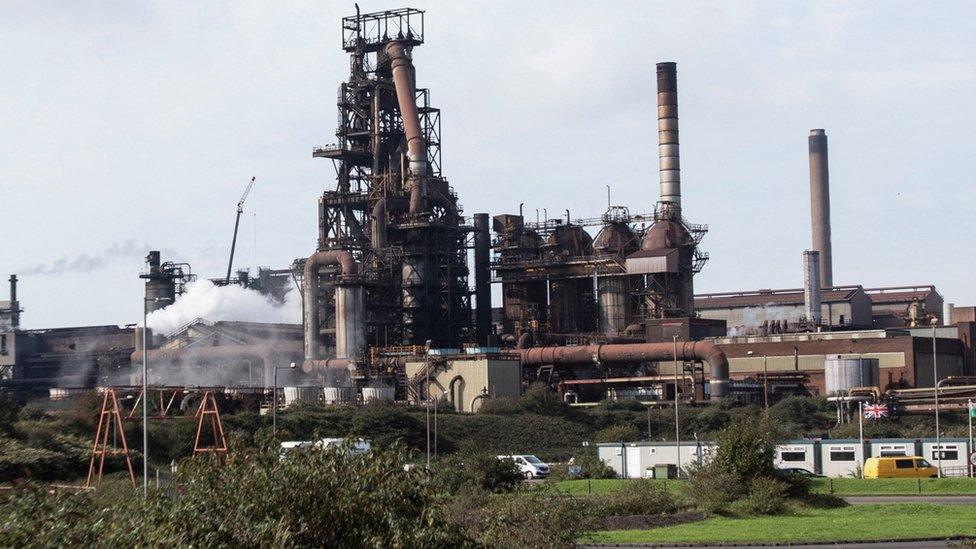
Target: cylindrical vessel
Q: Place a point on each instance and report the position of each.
(339, 395)
(820, 204)
(811, 286)
(350, 321)
(382, 392)
(947, 309)
(301, 395)
(615, 304)
(841, 373)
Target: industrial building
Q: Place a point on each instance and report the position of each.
(397, 291)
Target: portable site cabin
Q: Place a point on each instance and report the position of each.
(955, 454)
(893, 447)
(639, 459)
(797, 454)
(841, 457)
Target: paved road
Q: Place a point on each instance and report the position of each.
(945, 500)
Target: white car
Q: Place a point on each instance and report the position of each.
(530, 466)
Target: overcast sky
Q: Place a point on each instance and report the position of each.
(134, 125)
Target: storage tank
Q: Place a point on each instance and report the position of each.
(339, 395)
(382, 392)
(843, 373)
(302, 394)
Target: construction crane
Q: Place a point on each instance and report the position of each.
(237, 223)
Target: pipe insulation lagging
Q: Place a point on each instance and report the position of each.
(703, 351)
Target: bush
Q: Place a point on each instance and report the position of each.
(618, 433)
(746, 449)
(502, 406)
(538, 399)
(712, 490)
(640, 497)
(466, 472)
(767, 496)
(591, 466)
(542, 519)
(315, 498)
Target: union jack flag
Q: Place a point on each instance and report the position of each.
(875, 411)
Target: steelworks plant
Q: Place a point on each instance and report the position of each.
(390, 311)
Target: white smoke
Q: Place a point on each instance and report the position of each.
(88, 262)
(215, 303)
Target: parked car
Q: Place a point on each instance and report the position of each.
(530, 466)
(799, 471)
(899, 467)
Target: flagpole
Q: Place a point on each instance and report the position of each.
(860, 431)
(969, 408)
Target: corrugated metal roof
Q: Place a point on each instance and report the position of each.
(759, 298)
(903, 294)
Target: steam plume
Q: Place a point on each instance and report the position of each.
(215, 303)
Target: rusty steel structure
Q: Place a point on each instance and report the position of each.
(557, 279)
(392, 214)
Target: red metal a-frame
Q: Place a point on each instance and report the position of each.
(208, 410)
(109, 416)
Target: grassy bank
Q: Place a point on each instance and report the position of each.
(860, 523)
(840, 486)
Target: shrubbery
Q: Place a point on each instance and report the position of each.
(640, 497)
(312, 498)
(475, 471)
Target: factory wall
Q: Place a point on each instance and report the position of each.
(904, 360)
(465, 382)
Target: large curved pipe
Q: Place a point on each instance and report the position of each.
(703, 351)
(310, 283)
(266, 354)
(402, 69)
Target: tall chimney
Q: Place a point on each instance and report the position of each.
(820, 204)
(667, 137)
(14, 304)
(482, 278)
(811, 286)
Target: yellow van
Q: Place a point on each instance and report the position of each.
(899, 467)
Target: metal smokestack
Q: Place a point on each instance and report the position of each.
(667, 136)
(14, 304)
(482, 278)
(811, 286)
(820, 204)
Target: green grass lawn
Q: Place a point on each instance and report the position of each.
(896, 486)
(862, 522)
(841, 486)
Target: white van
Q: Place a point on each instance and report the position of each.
(357, 448)
(530, 466)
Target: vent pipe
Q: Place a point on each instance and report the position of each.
(820, 204)
(811, 286)
(667, 136)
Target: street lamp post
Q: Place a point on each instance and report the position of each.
(677, 426)
(274, 397)
(765, 383)
(936, 383)
(145, 399)
(427, 395)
